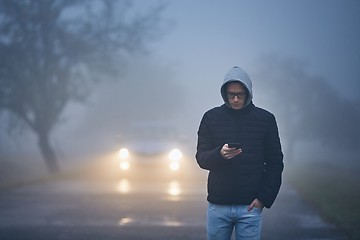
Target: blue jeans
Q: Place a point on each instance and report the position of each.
(221, 220)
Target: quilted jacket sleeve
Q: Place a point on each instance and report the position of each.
(273, 165)
(207, 155)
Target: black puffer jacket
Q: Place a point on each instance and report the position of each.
(256, 172)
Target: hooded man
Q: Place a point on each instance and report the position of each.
(239, 144)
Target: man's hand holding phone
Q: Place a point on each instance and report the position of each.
(230, 150)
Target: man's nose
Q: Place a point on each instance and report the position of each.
(236, 98)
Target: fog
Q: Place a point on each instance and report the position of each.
(302, 56)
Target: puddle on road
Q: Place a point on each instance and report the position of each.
(127, 221)
(172, 189)
(165, 221)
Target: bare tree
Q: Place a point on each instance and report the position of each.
(51, 49)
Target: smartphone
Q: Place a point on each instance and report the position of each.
(234, 145)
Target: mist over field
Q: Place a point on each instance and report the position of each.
(303, 59)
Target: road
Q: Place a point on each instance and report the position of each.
(92, 207)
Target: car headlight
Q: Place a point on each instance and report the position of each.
(123, 153)
(175, 155)
(123, 156)
(174, 166)
(124, 165)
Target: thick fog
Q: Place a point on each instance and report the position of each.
(302, 56)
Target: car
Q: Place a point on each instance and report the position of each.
(151, 148)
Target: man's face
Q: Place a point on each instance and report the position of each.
(236, 94)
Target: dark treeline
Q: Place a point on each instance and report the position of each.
(308, 107)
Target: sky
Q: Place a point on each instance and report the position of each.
(205, 38)
(209, 37)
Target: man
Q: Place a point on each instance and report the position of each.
(242, 179)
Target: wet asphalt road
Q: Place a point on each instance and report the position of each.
(121, 208)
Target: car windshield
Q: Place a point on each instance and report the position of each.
(151, 131)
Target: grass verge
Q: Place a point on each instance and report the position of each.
(334, 190)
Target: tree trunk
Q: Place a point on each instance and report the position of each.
(48, 153)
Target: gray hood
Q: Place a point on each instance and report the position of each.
(237, 74)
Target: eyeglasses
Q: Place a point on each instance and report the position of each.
(231, 95)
